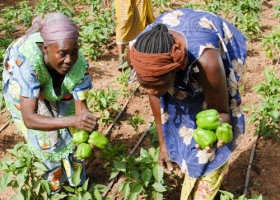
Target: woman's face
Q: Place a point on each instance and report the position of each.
(62, 55)
(161, 86)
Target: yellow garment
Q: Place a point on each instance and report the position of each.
(205, 187)
(132, 18)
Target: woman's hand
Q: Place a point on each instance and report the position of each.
(163, 159)
(86, 121)
(106, 3)
(209, 149)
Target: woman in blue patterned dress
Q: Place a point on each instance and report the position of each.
(46, 81)
(191, 61)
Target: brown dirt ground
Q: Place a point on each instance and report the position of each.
(264, 177)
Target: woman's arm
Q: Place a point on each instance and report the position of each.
(83, 119)
(212, 77)
(163, 155)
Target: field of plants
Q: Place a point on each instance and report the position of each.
(127, 168)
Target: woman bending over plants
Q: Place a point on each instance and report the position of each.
(192, 63)
(45, 88)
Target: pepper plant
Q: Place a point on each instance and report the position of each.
(271, 42)
(24, 173)
(47, 6)
(143, 175)
(161, 4)
(122, 79)
(136, 121)
(246, 17)
(266, 115)
(229, 196)
(277, 11)
(103, 102)
(248, 24)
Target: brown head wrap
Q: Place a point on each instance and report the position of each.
(150, 66)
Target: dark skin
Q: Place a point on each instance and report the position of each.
(212, 78)
(59, 57)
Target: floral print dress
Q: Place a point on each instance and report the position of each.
(180, 105)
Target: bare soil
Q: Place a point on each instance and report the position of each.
(264, 177)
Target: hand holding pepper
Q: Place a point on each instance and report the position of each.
(224, 134)
(204, 138)
(86, 121)
(209, 133)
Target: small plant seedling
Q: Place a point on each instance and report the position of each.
(136, 121)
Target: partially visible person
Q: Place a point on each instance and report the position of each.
(192, 61)
(132, 18)
(45, 85)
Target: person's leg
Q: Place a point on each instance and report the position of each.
(121, 56)
(204, 188)
(123, 28)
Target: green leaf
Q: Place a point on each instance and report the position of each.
(38, 172)
(40, 166)
(85, 185)
(26, 193)
(45, 186)
(20, 179)
(126, 190)
(76, 177)
(159, 187)
(73, 198)
(146, 176)
(114, 173)
(15, 186)
(18, 197)
(106, 114)
(135, 174)
(152, 152)
(158, 172)
(120, 187)
(20, 163)
(121, 166)
(13, 152)
(246, 108)
(69, 189)
(58, 196)
(143, 153)
(87, 196)
(5, 180)
(137, 188)
(97, 194)
(157, 196)
(228, 194)
(274, 114)
(36, 185)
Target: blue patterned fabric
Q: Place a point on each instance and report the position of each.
(180, 105)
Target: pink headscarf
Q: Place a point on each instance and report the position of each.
(54, 27)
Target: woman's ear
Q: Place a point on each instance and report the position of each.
(45, 48)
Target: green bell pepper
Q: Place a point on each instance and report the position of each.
(204, 137)
(208, 119)
(80, 137)
(83, 151)
(209, 112)
(98, 139)
(224, 133)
